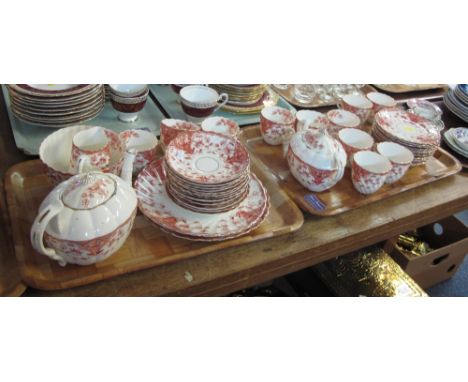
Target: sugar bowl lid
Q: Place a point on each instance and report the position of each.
(89, 191)
(317, 148)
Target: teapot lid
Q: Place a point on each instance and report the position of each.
(89, 191)
(316, 148)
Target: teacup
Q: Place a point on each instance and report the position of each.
(129, 106)
(221, 125)
(309, 119)
(142, 143)
(91, 150)
(354, 140)
(369, 171)
(276, 124)
(357, 104)
(340, 119)
(380, 101)
(170, 128)
(199, 102)
(400, 158)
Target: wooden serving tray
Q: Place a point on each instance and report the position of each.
(288, 95)
(27, 185)
(11, 284)
(343, 196)
(403, 88)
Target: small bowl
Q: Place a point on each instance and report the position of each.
(55, 152)
(221, 125)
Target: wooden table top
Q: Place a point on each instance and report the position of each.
(320, 239)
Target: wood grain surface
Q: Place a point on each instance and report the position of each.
(225, 271)
(27, 184)
(343, 196)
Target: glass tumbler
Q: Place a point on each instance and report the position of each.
(304, 93)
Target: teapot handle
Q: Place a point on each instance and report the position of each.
(38, 228)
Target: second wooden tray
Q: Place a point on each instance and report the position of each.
(26, 186)
(343, 196)
(288, 95)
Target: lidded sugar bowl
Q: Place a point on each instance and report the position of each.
(316, 159)
(86, 218)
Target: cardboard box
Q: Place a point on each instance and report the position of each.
(449, 239)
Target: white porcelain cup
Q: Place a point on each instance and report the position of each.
(310, 119)
(353, 141)
(90, 150)
(199, 102)
(380, 101)
(369, 171)
(357, 104)
(400, 158)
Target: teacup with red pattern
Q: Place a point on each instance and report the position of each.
(171, 128)
(199, 102)
(91, 150)
(221, 125)
(357, 104)
(129, 100)
(400, 158)
(369, 171)
(340, 119)
(310, 119)
(354, 140)
(276, 124)
(380, 101)
(142, 143)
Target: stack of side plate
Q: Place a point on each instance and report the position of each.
(56, 105)
(457, 139)
(418, 134)
(203, 189)
(241, 95)
(457, 101)
(207, 172)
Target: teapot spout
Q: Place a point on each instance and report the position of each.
(127, 168)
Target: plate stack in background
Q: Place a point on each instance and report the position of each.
(457, 101)
(56, 106)
(244, 99)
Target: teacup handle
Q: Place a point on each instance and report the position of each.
(82, 161)
(38, 229)
(223, 97)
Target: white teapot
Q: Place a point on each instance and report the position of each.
(316, 159)
(86, 218)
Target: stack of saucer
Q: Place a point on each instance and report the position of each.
(56, 105)
(457, 101)
(457, 139)
(418, 134)
(207, 172)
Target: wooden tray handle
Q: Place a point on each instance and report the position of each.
(38, 228)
